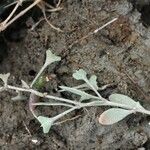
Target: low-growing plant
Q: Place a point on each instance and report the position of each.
(123, 105)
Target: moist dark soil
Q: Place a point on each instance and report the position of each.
(118, 54)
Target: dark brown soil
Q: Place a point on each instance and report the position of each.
(118, 54)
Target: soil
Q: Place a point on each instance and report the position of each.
(118, 54)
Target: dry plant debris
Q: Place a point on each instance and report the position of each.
(44, 6)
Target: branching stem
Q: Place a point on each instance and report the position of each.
(43, 95)
(74, 104)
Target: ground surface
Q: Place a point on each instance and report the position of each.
(118, 54)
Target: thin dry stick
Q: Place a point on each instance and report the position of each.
(54, 9)
(36, 24)
(93, 32)
(52, 26)
(27, 129)
(4, 26)
(11, 4)
(15, 2)
(50, 8)
(40, 5)
(43, 3)
(12, 13)
(58, 4)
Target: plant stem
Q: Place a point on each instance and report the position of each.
(108, 103)
(144, 111)
(78, 105)
(93, 88)
(65, 112)
(32, 99)
(43, 95)
(102, 103)
(52, 104)
(38, 75)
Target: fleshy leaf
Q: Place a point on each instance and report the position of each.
(46, 123)
(123, 99)
(4, 77)
(93, 81)
(24, 84)
(80, 74)
(113, 115)
(19, 97)
(84, 95)
(50, 58)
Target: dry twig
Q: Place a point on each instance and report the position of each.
(40, 3)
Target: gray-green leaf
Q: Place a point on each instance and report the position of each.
(19, 97)
(122, 99)
(4, 77)
(50, 58)
(24, 84)
(93, 81)
(113, 115)
(80, 74)
(46, 123)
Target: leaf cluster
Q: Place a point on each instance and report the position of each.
(122, 104)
